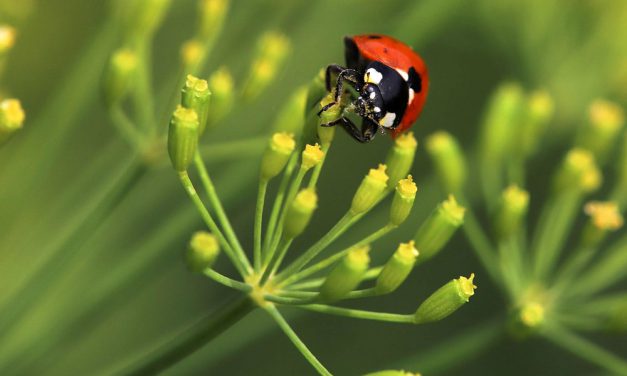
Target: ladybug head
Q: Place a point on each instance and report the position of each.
(370, 103)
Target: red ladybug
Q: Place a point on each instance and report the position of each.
(391, 82)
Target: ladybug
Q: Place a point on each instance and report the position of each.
(391, 82)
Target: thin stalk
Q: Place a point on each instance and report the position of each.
(126, 128)
(289, 332)
(261, 196)
(276, 260)
(192, 339)
(217, 206)
(315, 175)
(361, 314)
(226, 281)
(204, 213)
(144, 101)
(288, 300)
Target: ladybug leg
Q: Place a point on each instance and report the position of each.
(352, 77)
(369, 129)
(331, 70)
(366, 134)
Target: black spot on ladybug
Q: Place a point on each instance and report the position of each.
(415, 81)
(372, 36)
(385, 50)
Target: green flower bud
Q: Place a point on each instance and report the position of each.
(202, 252)
(192, 52)
(146, 16)
(531, 314)
(403, 200)
(299, 213)
(370, 190)
(446, 300)
(538, 114)
(291, 118)
(272, 49)
(196, 96)
(326, 134)
(449, 160)
(11, 118)
(401, 157)
(606, 120)
(119, 75)
(277, 154)
(392, 373)
(222, 94)
(7, 38)
(212, 16)
(579, 171)
(312, 155)
(439, 228)
(501, 121)
(604, 218)
(346, 275)
(397, 269)
(183, 138)
(513, 208)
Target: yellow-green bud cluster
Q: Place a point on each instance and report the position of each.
(277, 154)
(196, 95)
(299, 213)
(192, 52)
(222, 91)
(202, 252)
(212, 15)
(311, 156)
(439, 228)
(370, 190)
(604, 217)
(183, 138)
(11, 118)
(605, 121)
(531, 314)
(446, 300)
(291, 118)
(579, 171)
(403, 200)
(397, 269)
(346, 275)
(272, 49)
(512, 209)
(449, 161)
(7, 38)
(118, 77)
(401, 157)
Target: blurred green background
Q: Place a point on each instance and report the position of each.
(56, 168)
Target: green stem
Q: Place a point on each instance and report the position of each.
(192, 339)
(204, 213)
(276, 315)
(261, 196)
(126, 127)
(217, 206)
(276, 260)
(144, 101)
(289, 300)
(315, 175)
(361, 314)
(228, 282)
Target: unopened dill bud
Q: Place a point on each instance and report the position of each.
(512, 210)
(539, 112)
(446, 300)
(119, 75)
(299, 213)
(212, 15)
(7, 38)
(449, 160)
(146, 17)
(605, 121)
(330, 115)
(346, 275)
(202, 252)
(604, 217)
(531, 314)
(183, 138)
(501, 121)
(439, 228)
(392, 373)
(397, 269)
(401, 157)
(311, 156)
(403, 200)
(272, 49)
(222, 94)
(276, 155)
(192, 52)
(291, 118)
(579, 171)
(11, 118)
(370, 190)
(196, 95)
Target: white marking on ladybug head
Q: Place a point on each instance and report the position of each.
(372, 95)
(403, 74)
(411, 95)
(388, 120)
(377, 109)
(373, 76)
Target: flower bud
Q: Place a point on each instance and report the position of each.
(604, 217)
(196, 96)
(212, 16)
(346, 275)
(403, 200)
(605, 121)
(439, 228)
(291, 118)
(192, 52)
(316, 91)
(538, 114)
(512, 209)
(370, 190)
(146, 17)
(446, 300)
(578, 171)
(7, 38)
(531, 314)
(449, 160)
(397, 269)
(299, 213)
(183, 138)
(222, 94)
(401, 157)
(202, 252)
(501, 121)
(277, 154)
(312, 155)
(11, 118)
(333, 113)
(272, 49)
(119, 75)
